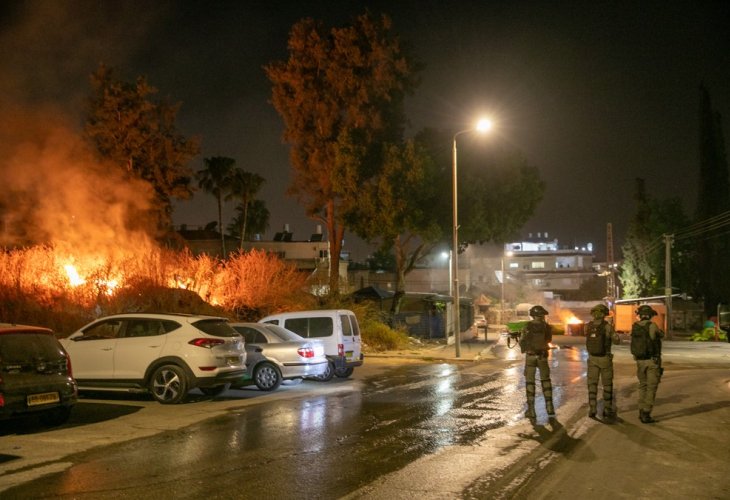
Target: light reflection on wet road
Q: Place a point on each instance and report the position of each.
(321, 446)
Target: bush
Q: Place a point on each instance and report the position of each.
(380, 337)
(376, 334)
(708, 334)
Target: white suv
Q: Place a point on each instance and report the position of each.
(164, 354)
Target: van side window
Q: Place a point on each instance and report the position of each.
(300, 326)
(346, 327)
(320, 327)
(355, 326)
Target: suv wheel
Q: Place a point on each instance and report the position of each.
(266, 377)
(169, 384)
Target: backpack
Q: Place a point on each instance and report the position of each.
(533, 337)
(596, 339)
(642, 346)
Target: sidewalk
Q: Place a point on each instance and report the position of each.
(479, 348)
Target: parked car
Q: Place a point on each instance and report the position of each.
(480, 321)
(35, 375)
(275, 354)
(166, 355)
(337, 329)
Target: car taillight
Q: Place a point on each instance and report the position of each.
(69, 372)
(206, 342)
(306, 352)
(340, 349)
(2, 399)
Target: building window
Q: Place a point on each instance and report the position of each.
(537, 265)
(514, 265)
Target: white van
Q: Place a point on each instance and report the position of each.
(337, 329)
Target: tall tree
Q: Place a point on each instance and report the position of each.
(256, 220)
(643, 268)
(713, 198)
(137, 132)
(339, 86)
(395, 210)
(215, 179)
(244, 186)
(409, 211)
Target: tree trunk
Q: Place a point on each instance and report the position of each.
(245, 219)
(220, 227)
(336, 233)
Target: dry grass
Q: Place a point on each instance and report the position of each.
(38, 287)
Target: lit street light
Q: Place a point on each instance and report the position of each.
(482, 127)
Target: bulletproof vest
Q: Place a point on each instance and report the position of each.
(533, 337)
(642, 347)
(596, 338)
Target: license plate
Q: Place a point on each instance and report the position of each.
(43, 399)
(348, 355)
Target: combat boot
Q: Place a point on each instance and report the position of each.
(530, 413)
(645, 417)
(549, 407)
(609, 413)
(592, 412)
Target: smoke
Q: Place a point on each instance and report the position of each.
(52, 189)
(55, 192)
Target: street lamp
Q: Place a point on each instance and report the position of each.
(482, 127)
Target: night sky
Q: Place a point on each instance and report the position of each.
(595, 94)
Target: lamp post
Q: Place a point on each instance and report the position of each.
(482, 126)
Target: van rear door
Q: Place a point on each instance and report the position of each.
(350, 336)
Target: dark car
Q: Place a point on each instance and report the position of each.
(35, 375)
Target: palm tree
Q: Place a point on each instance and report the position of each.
(244, 186)
(215, 179)
(257, 220)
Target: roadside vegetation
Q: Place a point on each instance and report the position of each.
(44, 287)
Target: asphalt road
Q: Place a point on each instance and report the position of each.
(398, 429)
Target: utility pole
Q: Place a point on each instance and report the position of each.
(611, 277)
(668, 239)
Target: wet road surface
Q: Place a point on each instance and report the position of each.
(322, 446)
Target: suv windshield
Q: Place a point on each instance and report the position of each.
(216, 327)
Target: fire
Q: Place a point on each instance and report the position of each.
(73, 275)
(572, 320)
(74, 278)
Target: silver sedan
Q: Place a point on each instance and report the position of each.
(275, 354)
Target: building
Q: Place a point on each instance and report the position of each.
(310, 255)
(541, 264)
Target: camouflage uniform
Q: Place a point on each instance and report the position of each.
(649, 372)
(601, 368)
(536, 357)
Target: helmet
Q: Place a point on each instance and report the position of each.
(645, 310)
(600, 308)
(538, 311)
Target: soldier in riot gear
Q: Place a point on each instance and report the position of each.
(600, 335)
(534, 340)
(646, 346)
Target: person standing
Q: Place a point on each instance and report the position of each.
(646, 347)
(534, 340)
(600, 335)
